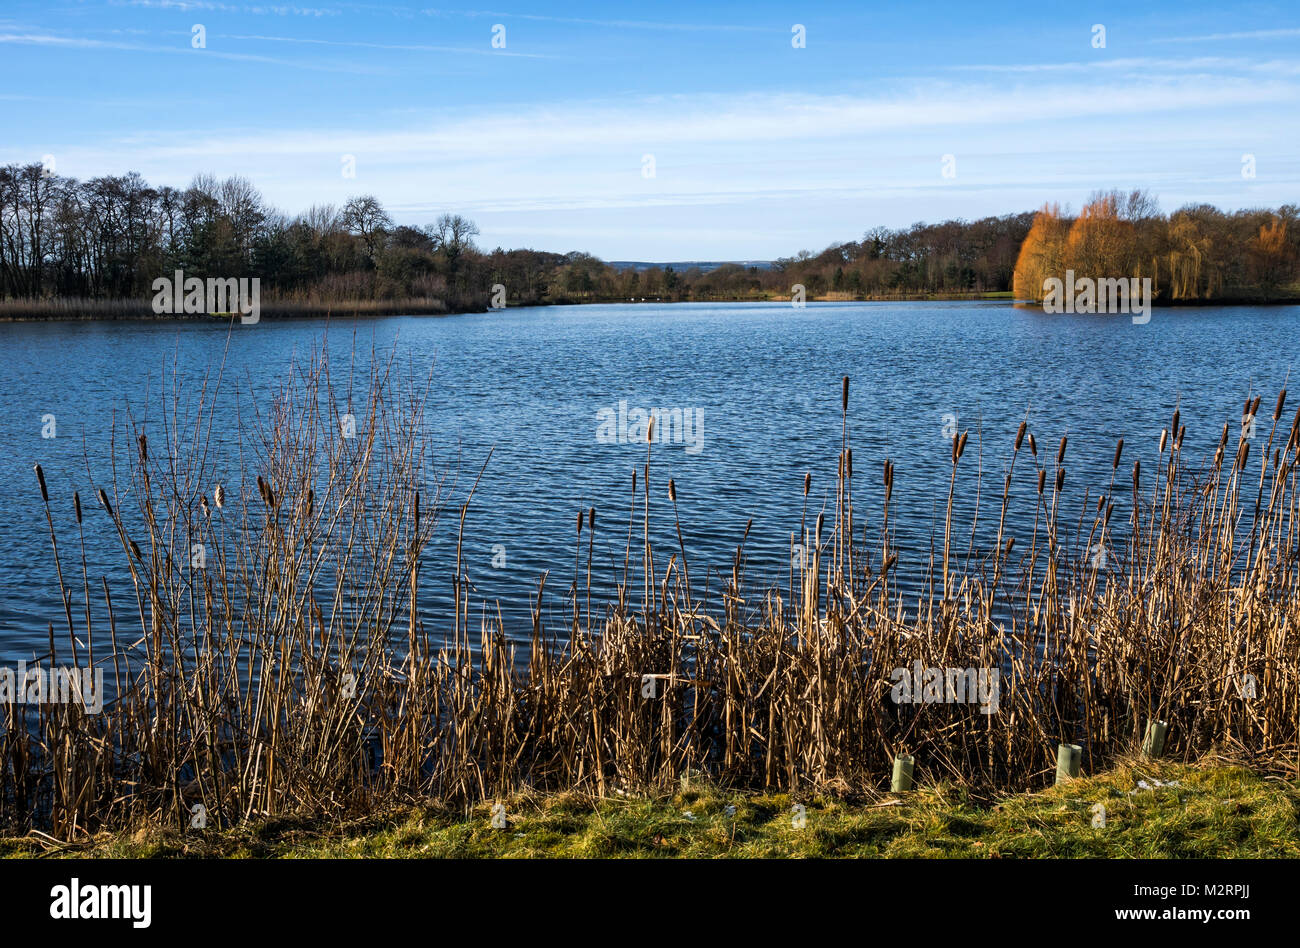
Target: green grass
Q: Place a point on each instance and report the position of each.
(1209, 810)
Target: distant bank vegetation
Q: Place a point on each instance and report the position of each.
(1197, 253)
(70, 247)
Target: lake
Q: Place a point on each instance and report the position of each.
(759, 390)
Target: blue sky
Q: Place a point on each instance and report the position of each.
(760, 149)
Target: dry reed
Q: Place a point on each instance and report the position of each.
(293, 672)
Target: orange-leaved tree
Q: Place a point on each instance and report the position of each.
(1042, 254)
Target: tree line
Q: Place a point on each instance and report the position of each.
(110, 237)
(1197, 253)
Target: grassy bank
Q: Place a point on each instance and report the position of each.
(1155, 809)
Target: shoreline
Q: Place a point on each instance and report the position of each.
(1139, 809)
(126, 310)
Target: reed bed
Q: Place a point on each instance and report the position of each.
(71, 308)
(293, 672)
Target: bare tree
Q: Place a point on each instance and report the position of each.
(453, 235)
(366, 218)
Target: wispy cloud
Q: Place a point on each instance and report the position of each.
(52, 40)
(573, 151)
(1144, 65)
(411, 47)
(612, 24)
(257, 10)
(1243, 35)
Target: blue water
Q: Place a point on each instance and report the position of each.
(762, 381)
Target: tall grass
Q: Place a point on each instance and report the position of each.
(294, 672)
(276, 307)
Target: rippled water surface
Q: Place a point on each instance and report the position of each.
(762, 381)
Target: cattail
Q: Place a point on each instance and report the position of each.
(580, 517)
(1254, 407)
(1060, 452)
(807, 483)
(1178, 442)
(219, 496)
(844, 396)
(1281, 400)
(1119, 449)
(1020, 435)
(1164, 439)
(1011, 542)
(650, 431)
(1110, 509)
(76, 503)
(591, 519)
(415, 506)
(144, 448)
(203, 505)
(1033, 446)
(40, 479)
(848, 454)
(961, 446)
(136, 551)
(1042, 480)
(1177, 415)
(1060, 479)
(311, 501)
(103, 502)
(672, 490)
(1137, 475)
(821, 519)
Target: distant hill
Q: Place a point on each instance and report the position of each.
(681, 266)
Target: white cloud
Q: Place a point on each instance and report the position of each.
(1246, 34)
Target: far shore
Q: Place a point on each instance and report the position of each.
(62, 310)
